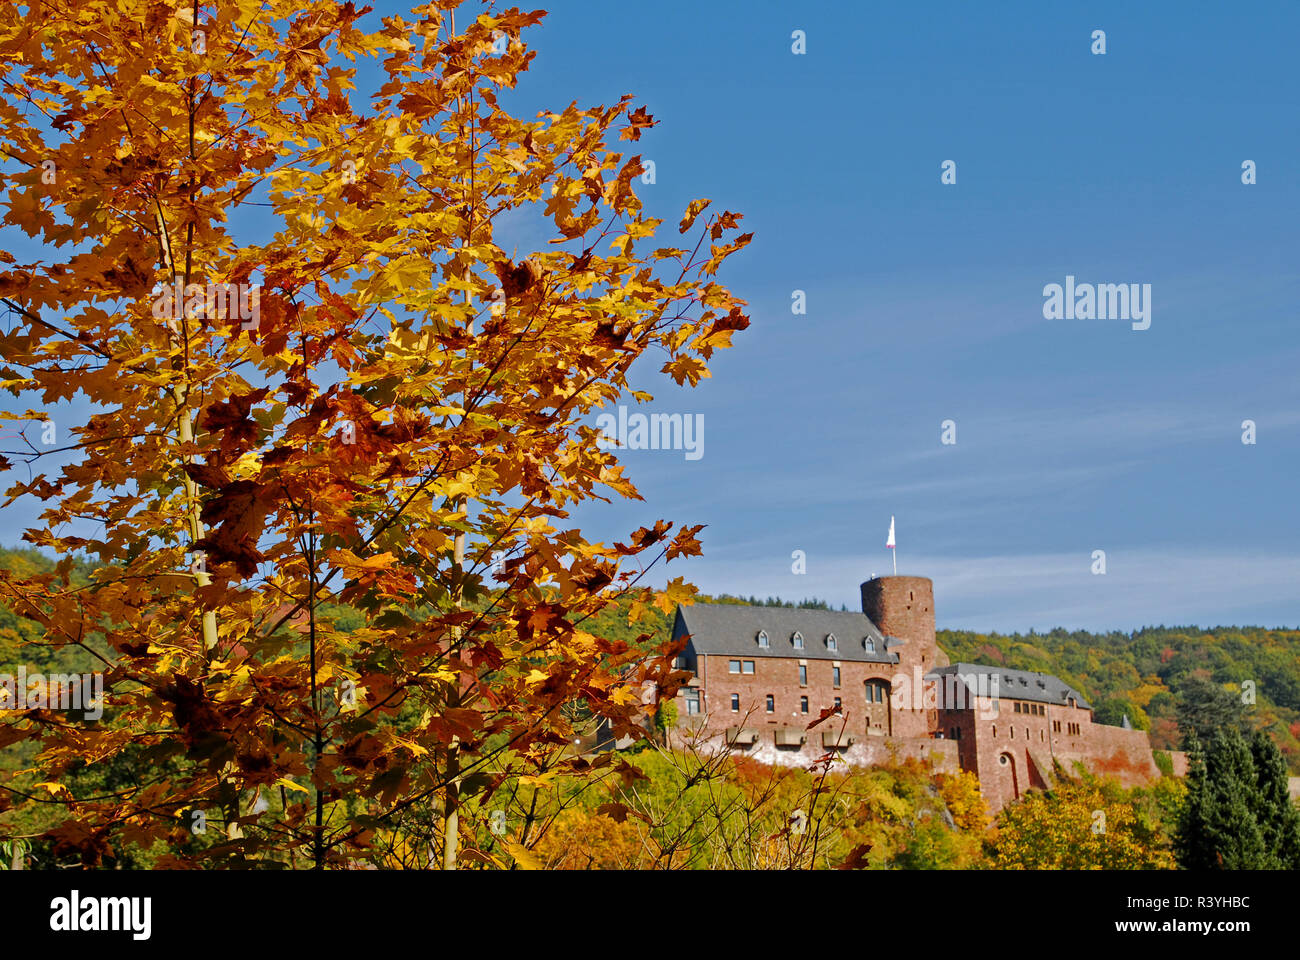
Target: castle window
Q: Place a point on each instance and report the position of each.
(762, 639)
(803, 675)
(733, 666)
(835, 676)
(797, 640)
(735, 703)
(747, 666)
(771, 704)
(1011, 731)
(803, 704)
(692, 702)
(869, 645)
(838, 705)
(995, 731)
(876, 691)
(1056, 726)
(831, 642)
(1017, 706)
(1042, 735)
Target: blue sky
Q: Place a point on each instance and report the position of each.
(925, 300)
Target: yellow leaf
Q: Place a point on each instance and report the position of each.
(692, 211)
(675, 592)
(523, 856)
(541, 780)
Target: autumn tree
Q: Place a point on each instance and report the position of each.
(321, 374)
(1080, 824)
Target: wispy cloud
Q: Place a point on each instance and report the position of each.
(1141, 587)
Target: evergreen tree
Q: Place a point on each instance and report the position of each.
(1205, 707)
(1219, 827)
(1279, 819)
(1188, 848)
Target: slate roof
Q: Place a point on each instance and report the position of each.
(729, 629)
(1014, 684)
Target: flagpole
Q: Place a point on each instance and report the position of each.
(895, 553)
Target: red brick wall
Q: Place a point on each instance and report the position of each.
(1030, 743)
(779, 676)
(1114, 752)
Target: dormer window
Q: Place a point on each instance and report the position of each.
(869, 645)
(797, 640)
(762, 639)
(831, 642)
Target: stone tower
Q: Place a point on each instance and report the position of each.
(903, 607)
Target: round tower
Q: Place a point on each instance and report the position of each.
(903, 607)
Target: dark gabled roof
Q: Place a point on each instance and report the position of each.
(730, 629)
(1013, 684)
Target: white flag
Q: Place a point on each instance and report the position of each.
(890, 542)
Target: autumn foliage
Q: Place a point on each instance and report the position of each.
(397, 426)
(1084, 823)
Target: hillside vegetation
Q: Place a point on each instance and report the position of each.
(1148, 675)
(669, 809)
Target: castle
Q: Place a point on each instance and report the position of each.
(761, 675)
